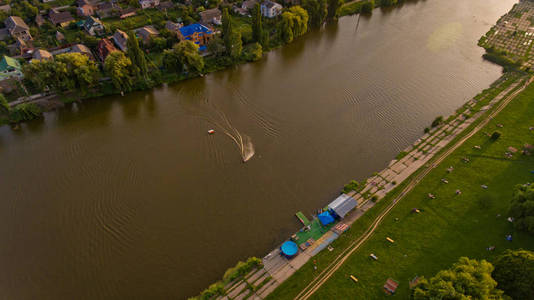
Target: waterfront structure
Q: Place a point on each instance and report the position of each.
(270, 9)
(342, 205)
(197, 33)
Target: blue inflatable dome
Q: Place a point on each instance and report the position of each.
(289, 249)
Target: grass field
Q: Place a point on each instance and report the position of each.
(448, 227)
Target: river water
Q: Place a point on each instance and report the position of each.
(130, 198)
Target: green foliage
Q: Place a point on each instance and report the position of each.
(213, 290)
(467, 279)
(137, 56)
(333, 10)
(24, 112)
(69, 71)
(257, 26)
(514, 272)
(294, 23)
(495, 135)
(316, 11)
(389, 2)
(500, 58)
(4, 106)
(522, 207)
(368, 6)
(253, 52)
(351, 186)
(437, 121)
(183, 57)
(119, 68)
(401, 155)
(241, 269)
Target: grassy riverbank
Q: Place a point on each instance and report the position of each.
(449, 226)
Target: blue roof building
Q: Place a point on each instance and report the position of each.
(197, 33)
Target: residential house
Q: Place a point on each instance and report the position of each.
(173, 27)
(240, 10)
(5, 8)
(104, 48)
(270, 9)
(211, 16)
(165, 5)
(148, 3)
(106, 9)
(17, 28)
(41, 55)
(61, 18)
(82, 49)
(39, 20)
(197, 33)
(120, 38)
(85, 10)
(128, 12)
(93, 26)
(147, 33)
(249, 4)
(10, 67)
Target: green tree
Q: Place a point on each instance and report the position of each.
(257, 26)
(316, 10)
(232, 38)
(522, 207)
(4, 106)
(368, 6)
(514, 272)
(253, 52)
(294, 23)
(467, 279)
(24, 112)
(81, 72)
(137, 56)
(226, 28)
(389, 2)
(119, 68)
(183, 57)
(333, 10)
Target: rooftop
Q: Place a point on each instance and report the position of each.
(191, 29)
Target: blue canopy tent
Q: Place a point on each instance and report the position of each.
(326, 218)
(289, 249)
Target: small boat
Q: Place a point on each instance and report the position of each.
(211, 131)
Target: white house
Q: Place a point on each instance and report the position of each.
(270, 9)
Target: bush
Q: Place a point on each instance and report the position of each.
(252, 52)
(24, 112)
(351, 186)
(368, 7)
(427, 130)
(241, 269)
(437, 121)
(374, 198)
(495, 135)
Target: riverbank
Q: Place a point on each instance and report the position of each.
(284, 278)
(451, 224)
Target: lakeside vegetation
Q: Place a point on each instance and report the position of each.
(164, 59)
(449, 226)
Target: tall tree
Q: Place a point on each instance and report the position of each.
(514, 271)
(183, 57)
(119, 68)
(467, 279)
(333, 10)
(82, 72)
(136, 55)
(522, 208)
(316, 11)
(257, 26)
(226, 26)
(232, 38)
(294, 23)
(368, 6)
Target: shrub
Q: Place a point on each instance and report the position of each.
(374, 198)
(24, 112)
(368, 7)
(495, 135)
(427, 130)
(351, 186)
(437, 121)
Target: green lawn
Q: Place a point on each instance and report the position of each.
(448, 227)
